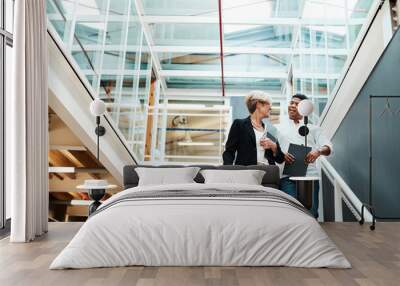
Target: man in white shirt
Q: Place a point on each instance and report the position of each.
(321, 146)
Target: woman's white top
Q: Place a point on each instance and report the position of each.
(260, 150)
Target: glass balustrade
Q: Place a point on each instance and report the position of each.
(107, 42)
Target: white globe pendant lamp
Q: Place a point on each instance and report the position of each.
(305, 108)
(97, 107)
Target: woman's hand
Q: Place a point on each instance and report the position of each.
(267, 143)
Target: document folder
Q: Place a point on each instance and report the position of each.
(299, 167)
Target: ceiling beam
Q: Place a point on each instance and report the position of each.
(249, 20)
(159, 19)
(215, 49)
(216, 73)
(247, 50)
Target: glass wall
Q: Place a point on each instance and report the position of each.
(107, 41)
(6, 43)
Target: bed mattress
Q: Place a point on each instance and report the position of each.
(201, 225)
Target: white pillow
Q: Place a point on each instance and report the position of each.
(166, 176)
(248, 177)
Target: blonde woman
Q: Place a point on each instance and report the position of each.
(247, 143)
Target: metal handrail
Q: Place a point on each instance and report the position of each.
(343, 191)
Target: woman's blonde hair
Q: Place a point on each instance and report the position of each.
(255, 96)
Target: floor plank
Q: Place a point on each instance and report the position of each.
(374, 255)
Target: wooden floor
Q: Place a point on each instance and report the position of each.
(375, 257)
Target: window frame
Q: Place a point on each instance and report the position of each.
(6, 39)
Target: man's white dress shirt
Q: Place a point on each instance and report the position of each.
(288, 132)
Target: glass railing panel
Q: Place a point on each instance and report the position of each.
(353, 31)
(89, 32)
(56, 17)
(106, 40)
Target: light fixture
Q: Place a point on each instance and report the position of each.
(98, 108)
(305, 108)
(96, 188)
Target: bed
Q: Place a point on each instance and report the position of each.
(197, 224)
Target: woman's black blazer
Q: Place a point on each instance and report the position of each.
(240, 148)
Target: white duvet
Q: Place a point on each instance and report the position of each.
(200, 231)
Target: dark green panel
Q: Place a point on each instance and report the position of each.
(351, 139)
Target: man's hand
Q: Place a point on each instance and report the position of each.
(289, 158)
(312, 156)
(267, 143)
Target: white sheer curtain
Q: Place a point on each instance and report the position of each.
(27, 122)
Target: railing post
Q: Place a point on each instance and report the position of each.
(338, 202)
(321, 216)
